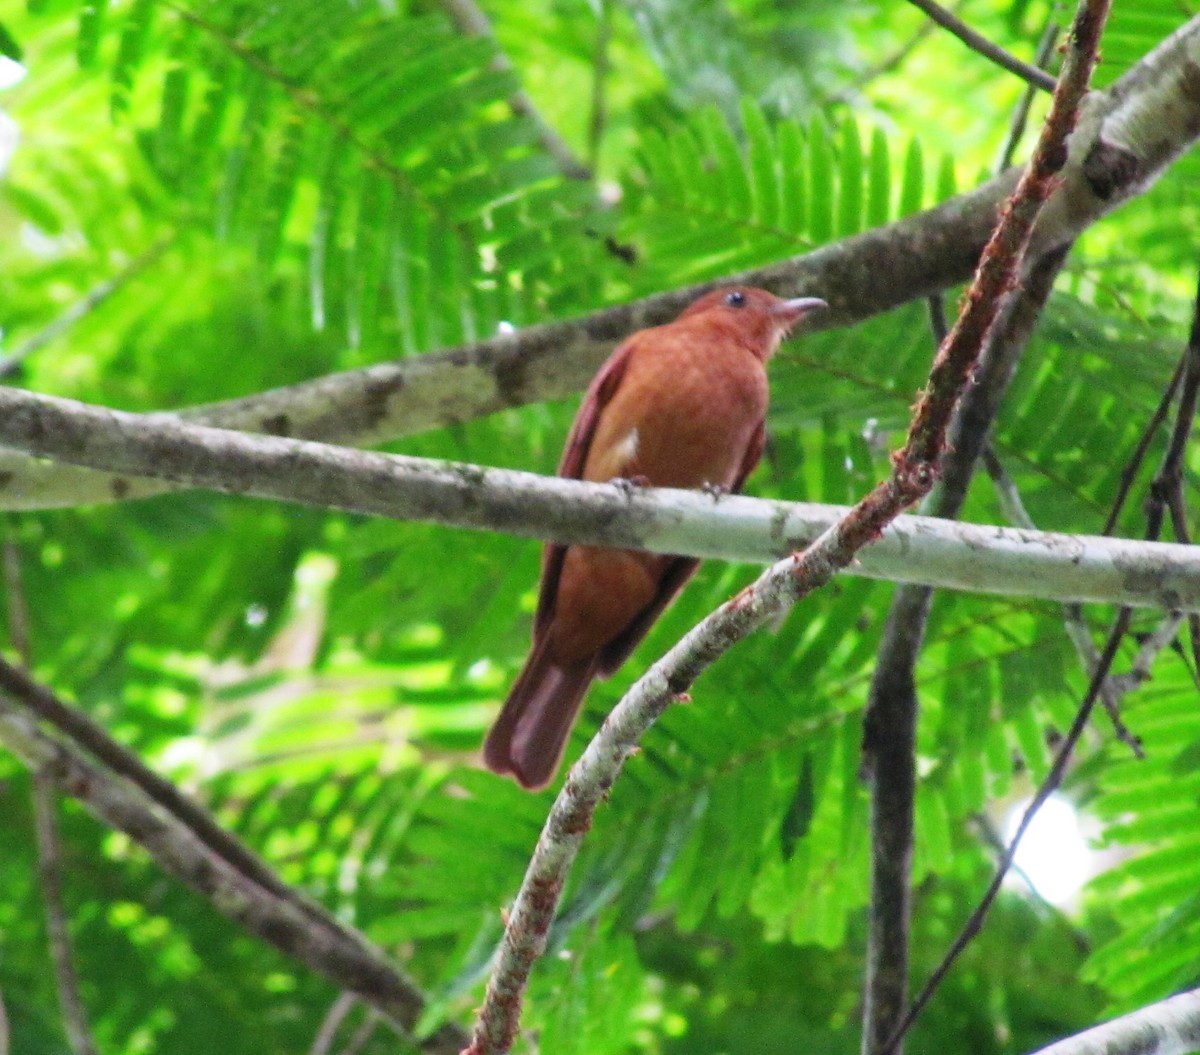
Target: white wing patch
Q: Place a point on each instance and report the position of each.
(626, 451)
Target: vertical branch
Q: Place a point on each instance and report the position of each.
(1167, 480)
(890, 723)
(1051, 784)
(49, 842)
(598, 119)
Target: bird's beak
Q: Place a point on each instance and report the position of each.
(790, 312)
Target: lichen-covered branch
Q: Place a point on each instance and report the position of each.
(1129, 134)
(1170, 1027)
(970, 557)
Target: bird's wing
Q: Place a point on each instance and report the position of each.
(597, 397)
(579, 441)
(672, 578)
(675, 573)
(754, 450)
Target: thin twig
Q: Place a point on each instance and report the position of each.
(978, 42)
(914, 471)
(46, 836)
(3, 1025)
(1129, 473)
(993, 838)
(1048, 786)
(1076, 626)
(341, 1007)
(366, 1029)
(472, 22)
(10, 364)
(1149, 647)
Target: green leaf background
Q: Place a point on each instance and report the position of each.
(283, 190)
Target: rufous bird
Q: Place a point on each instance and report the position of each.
(680, 405)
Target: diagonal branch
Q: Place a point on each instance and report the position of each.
(1170, 1027)
(1129, 134)
(977, 558)
(914, 472)
(978, 42)
(292, 924)
(471, 21)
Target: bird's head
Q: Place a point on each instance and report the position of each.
(757, 318)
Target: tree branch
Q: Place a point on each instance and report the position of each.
(976, 558)
(914, 472)
(1170, 1027)
(890, 722)
(472, 22)
(292, 924)
(1127, 137)
(979, 43)
(46, 836)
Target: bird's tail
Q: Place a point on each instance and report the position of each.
(528, 738)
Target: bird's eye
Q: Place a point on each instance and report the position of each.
(736, 299)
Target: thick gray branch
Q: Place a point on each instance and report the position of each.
(1170, 1027)
(922, 550)
(1130, 133)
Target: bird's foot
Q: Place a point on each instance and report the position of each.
(715, 491)
(629, 484)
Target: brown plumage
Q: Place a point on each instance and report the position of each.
(681, 405)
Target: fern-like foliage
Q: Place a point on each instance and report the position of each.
(712, 198)
(374, 153)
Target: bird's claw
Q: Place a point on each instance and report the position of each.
(629, 484)
(715, 491)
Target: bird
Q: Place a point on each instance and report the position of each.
(680, 405)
